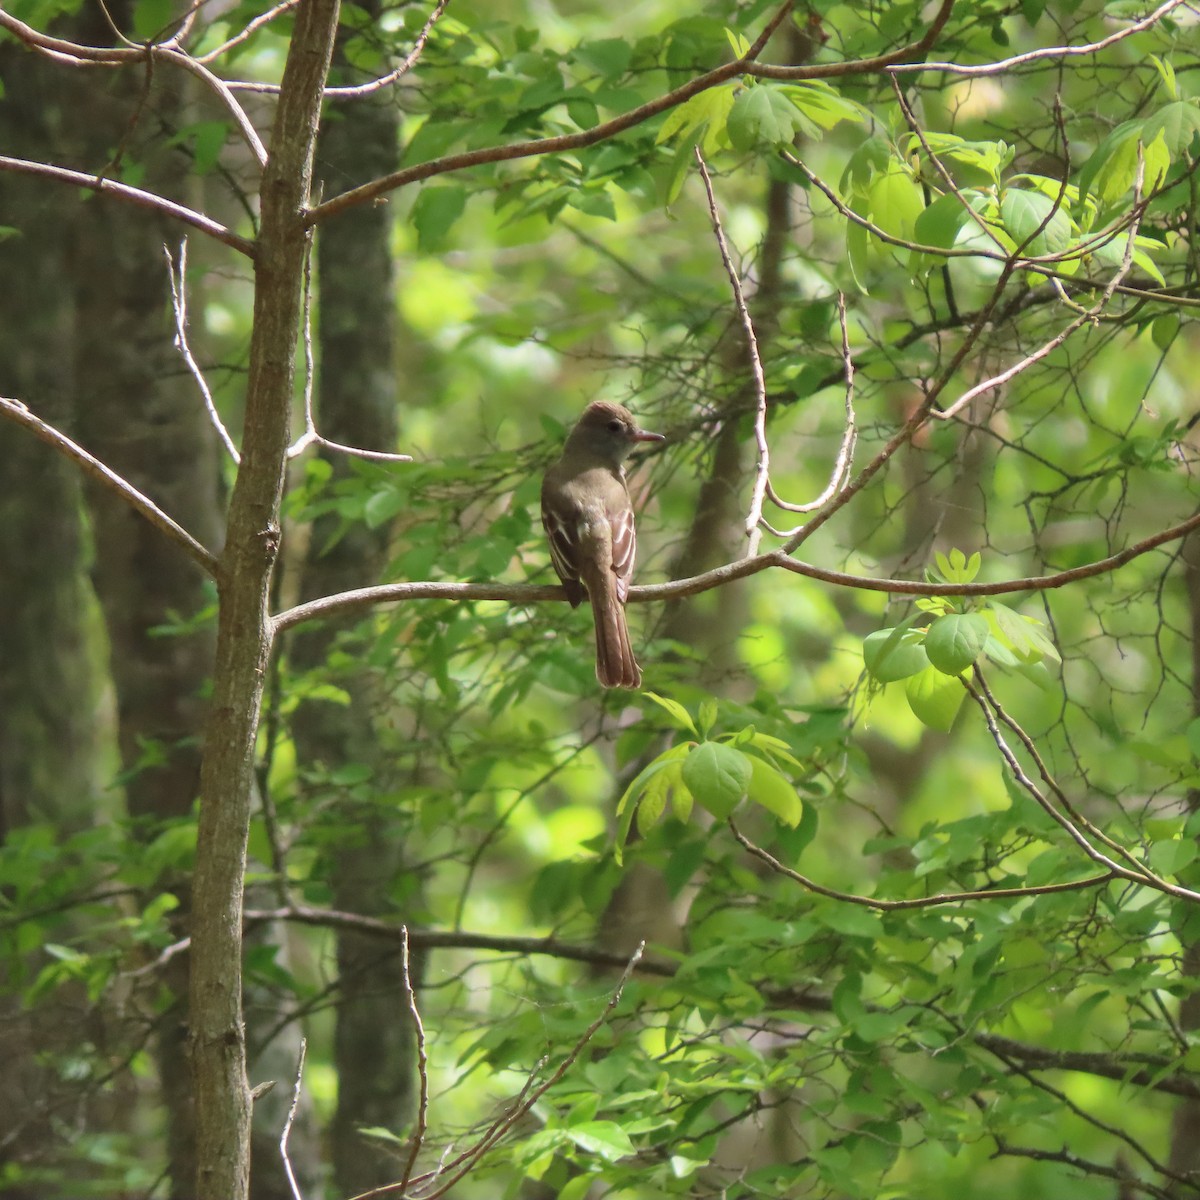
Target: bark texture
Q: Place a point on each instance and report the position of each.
(244, 628)
(55, 730)
(139, 412)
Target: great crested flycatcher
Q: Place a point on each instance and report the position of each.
(588, 519)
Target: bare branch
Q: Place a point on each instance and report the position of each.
(78, 55)
(310, 436)
(845, 456)
(1046, 52)
(524, 593)
(762, 470)
(110, 479)
(1138, 873)
(137, 196)
(287, 1125)
(418, 1138)
(247, 31)
(226, 96)
(179, 305)
(410, 60)
(1143, 1070)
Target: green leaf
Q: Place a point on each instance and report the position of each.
(1112, 176)
(151, 18)
(435, 211)
(718, 776)
(1164, 329)
(1193, 738)
(891, 654)
(770, 789)
(1177, 124)
(604, 1138)
(896, 202)
(707, 111)
(934, 698)
(940, 224)
(1166, 73)
(763, 114)
(956, 567)
(609, 56)
(822, 105)
(208, 139)
(678, 713)
(1027, 218)
(643, 777)
(1173, 855)
(955, 641)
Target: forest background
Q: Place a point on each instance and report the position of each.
(327, 868)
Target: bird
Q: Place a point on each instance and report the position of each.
(588, 518)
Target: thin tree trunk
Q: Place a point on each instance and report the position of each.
(244, 631)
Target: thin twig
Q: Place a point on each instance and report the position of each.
(762, 469)
(1046, 52)
(845, 456)
(110, 479)
(310, 436)
(250, 28)
(179, 305)
(519, 1111)
(515, 1112)
(1015, 893)
(76, 54)
(1138, 874)
(1087, 316)
(410, 60)
(418, 1137)
(287, 1125)
(940, 167)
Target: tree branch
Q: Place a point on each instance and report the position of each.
(109, 478)
(143, 199)
(1149, 1070)
(525, 593)
(637, 116)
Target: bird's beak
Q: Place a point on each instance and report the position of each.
(644, 435)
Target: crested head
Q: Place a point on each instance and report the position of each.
(608, 431)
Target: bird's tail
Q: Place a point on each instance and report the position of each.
(615, 664)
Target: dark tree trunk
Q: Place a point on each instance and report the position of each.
(139, 412)
(357, 406)
(55, 737)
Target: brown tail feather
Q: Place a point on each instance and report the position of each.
(615, 664)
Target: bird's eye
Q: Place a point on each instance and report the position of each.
(616, 425)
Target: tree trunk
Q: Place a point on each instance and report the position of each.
(55, 738)
(357, 405)
(140, 413)
(244, 631)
